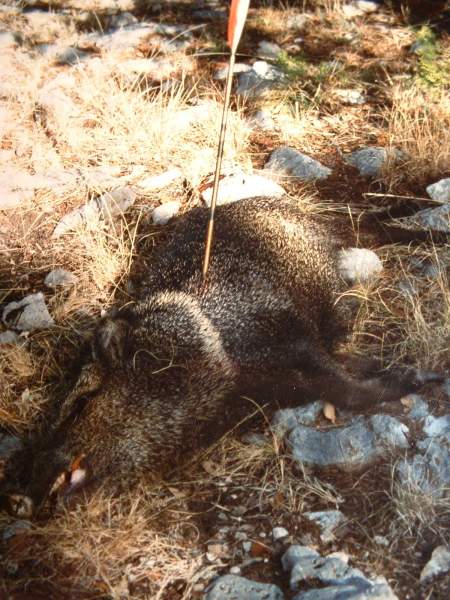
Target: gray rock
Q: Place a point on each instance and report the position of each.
(13, 198)
(8, 40)
(295, 554)
(352, 97)
(286, 419)
(15, 528)
(261, 78)
(438, 426)
(268, 50)
(369, 161)
(357, 588)
(10, 337)
(161, 215)
(359, 8)
(358, 265)
(446, 387)
(298, 22)
(279, 533)
(28, 314)
(428, 472)
(125, 38)
(105, 207)
(440, 191)
(326, 570)
(222, 73)
(438, 564)
(429, 219)
(70, 56)
(418, 407)
(241, 186)
(262, 120)
(233, 587)
(327, 521)
(289, 163)
(350, 446)
(60, 278)
(153, 68)
(157, 182)
(123, 19)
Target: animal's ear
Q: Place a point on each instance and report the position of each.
(89, 381)
(110, 342)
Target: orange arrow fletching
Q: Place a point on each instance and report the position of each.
(238, 14)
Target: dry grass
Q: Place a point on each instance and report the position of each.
(418, 123)
(405, 316)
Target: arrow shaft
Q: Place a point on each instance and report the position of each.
(223, 127)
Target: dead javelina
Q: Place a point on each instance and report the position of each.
(169, 371)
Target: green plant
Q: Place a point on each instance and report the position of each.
(433, 67)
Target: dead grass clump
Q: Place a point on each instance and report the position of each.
(419, 124)
(21, 398)
(405, 316)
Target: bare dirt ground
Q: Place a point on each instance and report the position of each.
(106, 121)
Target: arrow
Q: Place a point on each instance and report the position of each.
(236, 22)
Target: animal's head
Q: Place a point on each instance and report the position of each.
(131, 411)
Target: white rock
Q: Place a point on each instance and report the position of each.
(162, 214)
(437, 426)
(370, 160)
(358, 265)
(240, 186)
(438, 564)
(60, 278)
(222, 73)
(157, 182)
(105, 207)
(28, 314)
(70, 56)
(285, 162)
(279, 533)
(440, 191)
(352, 97)
(7, 40)
(298, 22)
(261, 78)
(268, 49)
(11, 199)
(327, 521)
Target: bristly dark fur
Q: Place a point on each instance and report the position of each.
(171, 369)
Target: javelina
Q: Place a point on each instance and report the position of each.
(170, 370)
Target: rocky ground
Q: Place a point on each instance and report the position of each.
(109, 115)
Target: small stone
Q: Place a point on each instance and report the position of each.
(222, 73)
(352, 97)
(288, 163)
(260, 79)
(286, 419)
(7, 40)
(279, 533)
(28, 314)
(298, 22)
(241, 186)
(233, 587)
(161, 215)
(418, 408)
(367, 6)
(438, 564)
(106, 206)
(235, 570)
(123, 19)
(247, 546)
(157, 182)
(430, 219)
(262, 120)
(70, 56)
(10, 337)
(381, 540)
(268, 50)
(369, 160)
(16, 528)
(60, 278)
(440, 191)
(358, 265)
(327, 521)
(254, 439)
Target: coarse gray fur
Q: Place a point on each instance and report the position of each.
(176, 367)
